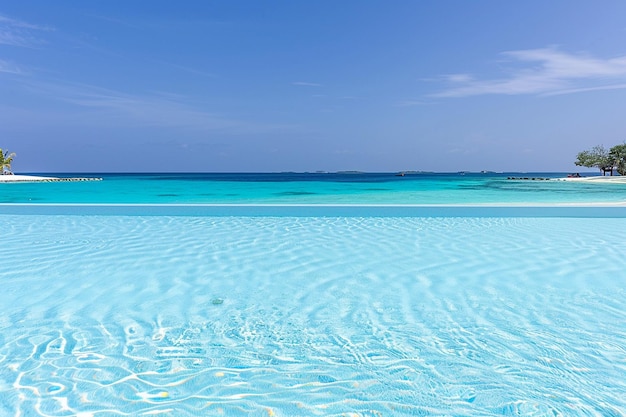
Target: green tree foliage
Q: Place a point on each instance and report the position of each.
(6, 159)
(598, 157)
(618, 155)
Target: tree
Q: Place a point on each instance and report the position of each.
(618, 155)
(5, 161)
(597, 157)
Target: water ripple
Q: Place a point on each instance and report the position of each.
(306, 316)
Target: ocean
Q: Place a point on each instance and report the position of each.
(315, 188)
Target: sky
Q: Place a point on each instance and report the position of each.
(325, 85)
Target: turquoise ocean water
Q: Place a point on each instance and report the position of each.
(358, 310)
(323, 188)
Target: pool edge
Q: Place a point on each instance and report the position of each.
(322, 210)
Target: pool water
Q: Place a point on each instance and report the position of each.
(312, 315)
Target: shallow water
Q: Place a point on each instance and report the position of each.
(294, 188)
(336, 315)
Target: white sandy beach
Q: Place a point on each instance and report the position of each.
(36, 178)
(599, 179)
(614, 179)
(20, 178)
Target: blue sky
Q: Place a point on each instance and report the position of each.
(92, 86)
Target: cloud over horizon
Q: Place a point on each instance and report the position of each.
(99, 106)
(545, 71)
(9, 67)
(15, 32)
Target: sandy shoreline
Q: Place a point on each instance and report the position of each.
(615, 179)
(19, 178)
(36, 178)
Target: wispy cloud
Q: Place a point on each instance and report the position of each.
(15, 32)
(100, 106)
(21, 24)
(114, 20)
(306, 84)
(9, 67)
(154, 22)
(587, 89)
(187, 69)
(409, 103)
(546, 71)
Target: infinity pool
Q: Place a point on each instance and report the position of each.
(316, 314)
